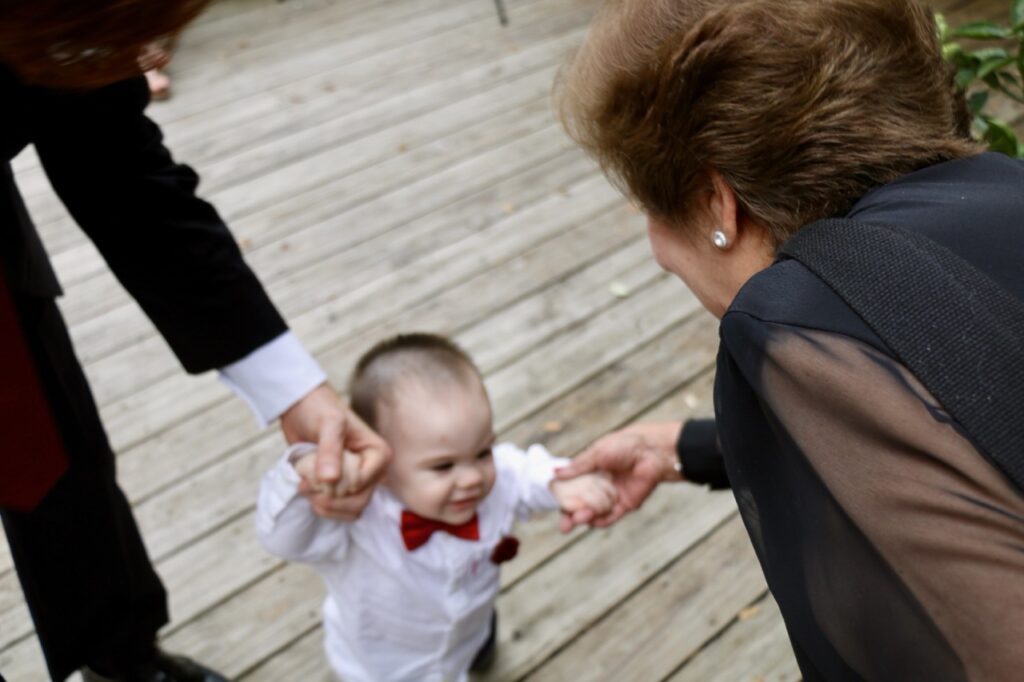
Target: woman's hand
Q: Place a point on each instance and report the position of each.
(637, 459)
(321, 417)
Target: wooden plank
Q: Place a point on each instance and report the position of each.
(15, 621)
(305, 233)
(392, 26)
(323, 54)
(143, 363)
(394, 65)
(412, 89)
(353, 153)
(23, 661)
(102, 293)
(302, 659)
(525, 384)
(578, 586)
(406, 113)
(669, 618)
(246, 36)
(234, 637)
(755, 648)
(340, 97)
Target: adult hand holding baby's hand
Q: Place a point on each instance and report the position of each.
(321, 417)
(583, 498)
(332, 499)
(637, 458)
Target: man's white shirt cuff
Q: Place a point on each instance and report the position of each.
(273, 377)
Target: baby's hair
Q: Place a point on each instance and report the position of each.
(423, 357)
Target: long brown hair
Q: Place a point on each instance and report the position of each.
(803, 105)
(87, 43)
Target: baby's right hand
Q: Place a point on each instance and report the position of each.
(349, 481)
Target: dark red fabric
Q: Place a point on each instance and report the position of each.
(416, 530)
(505, 550)
(32, 456)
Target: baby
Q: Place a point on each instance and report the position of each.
(411, 585)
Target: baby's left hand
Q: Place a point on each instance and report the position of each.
(583, 498)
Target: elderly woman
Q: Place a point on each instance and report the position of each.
(893, 543)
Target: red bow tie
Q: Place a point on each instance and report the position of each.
(416, 530)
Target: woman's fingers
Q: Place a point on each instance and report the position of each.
(583, 463)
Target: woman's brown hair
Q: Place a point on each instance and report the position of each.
(87, 43)
(803, 105)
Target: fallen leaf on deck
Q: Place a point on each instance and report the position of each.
(749, 612)
(618, 289)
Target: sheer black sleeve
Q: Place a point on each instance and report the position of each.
(895, 550)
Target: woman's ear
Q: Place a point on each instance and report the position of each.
(723, 208)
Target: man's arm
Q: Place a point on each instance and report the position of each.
(175, 256)
(169, 248)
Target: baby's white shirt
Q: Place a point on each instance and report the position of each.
(393, 615)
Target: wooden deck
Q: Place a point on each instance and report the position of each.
(394, 165)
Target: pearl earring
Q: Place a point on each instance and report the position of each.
(719, 239)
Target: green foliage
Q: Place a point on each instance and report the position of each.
(996, 68)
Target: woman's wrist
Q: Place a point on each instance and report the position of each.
(660, 439)
(674, 472)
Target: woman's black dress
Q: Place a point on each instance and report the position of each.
(894, 549)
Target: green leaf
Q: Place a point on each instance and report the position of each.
(942, 25)
(989, 53)
(977, 101)
(1001, 138)
(980, 126)
(982, 30)
(1017, 13)
(951, 50)
(991, 65)
(964, 77)
(1011, 86)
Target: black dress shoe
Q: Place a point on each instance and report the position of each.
(484, 658)
(162, 667)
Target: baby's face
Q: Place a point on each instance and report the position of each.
(442, 437)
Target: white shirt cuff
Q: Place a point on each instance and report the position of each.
(273, 377)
